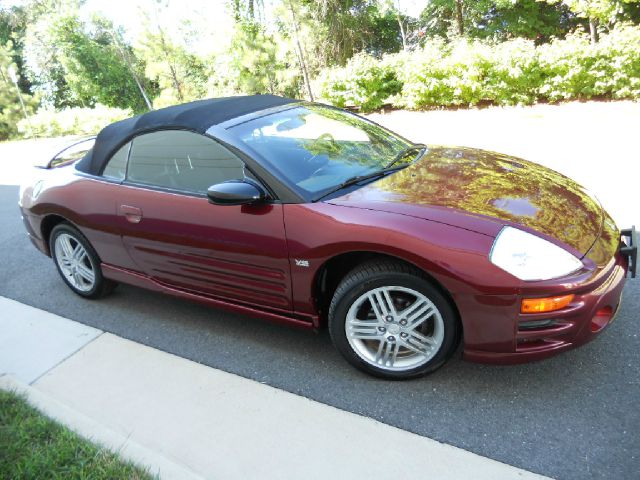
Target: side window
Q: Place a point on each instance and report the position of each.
(181, 160)
(117, 165)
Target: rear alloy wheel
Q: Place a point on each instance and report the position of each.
(78, 263)
(388, 320)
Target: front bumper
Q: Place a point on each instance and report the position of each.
(29, 222)
(630, 249)
(539, 336)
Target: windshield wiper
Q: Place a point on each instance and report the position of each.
(417, 147)
(360, 178)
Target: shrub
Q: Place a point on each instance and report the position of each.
(365, 82)
(71, 121)
(575, 69)
(472, 72)
(513, 74)
(443, 74)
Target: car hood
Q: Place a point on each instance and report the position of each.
(482, 191)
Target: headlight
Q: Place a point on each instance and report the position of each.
(37, 189)
(529, 257)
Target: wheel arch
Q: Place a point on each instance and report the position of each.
(47, 225)
(333, 270)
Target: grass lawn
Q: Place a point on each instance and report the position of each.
(33, 446)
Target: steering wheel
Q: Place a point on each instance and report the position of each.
(332, 145)
(325, 136)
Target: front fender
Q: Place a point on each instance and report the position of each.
(455, 257)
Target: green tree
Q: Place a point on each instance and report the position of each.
(259, 58)
(181, 75)
(600, 13)
(254, 59)
(340, 28)
(530, 19)
(42, 57)
(11, 109)
(245, 10)
(450, 18)
(501, 20)
(13, 25)
(301, 52)
(390, 24)
(94, 66)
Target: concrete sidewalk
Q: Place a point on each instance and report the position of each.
(185, 420)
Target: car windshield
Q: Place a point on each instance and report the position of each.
(318, 148)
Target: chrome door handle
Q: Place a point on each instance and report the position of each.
(132, 214)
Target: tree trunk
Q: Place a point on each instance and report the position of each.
(251, 10)
(403, 33)
(593, 30)
(176, 83)
(300, 52)
(165, 49)
(459, 17)
(140, 87)
(132, 70)
(172, 70)
(24, 108)
(236, 10)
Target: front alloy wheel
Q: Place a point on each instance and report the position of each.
(77, 262)
(75, 265)
(394, 328)
(387, 319)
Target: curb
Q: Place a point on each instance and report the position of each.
(91, 430)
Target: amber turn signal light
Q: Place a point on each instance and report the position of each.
(541, 305)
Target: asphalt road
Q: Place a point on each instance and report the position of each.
(572, 417)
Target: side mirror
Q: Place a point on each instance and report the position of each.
(235, 192)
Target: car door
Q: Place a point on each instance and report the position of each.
(89, 201)
(178, 238)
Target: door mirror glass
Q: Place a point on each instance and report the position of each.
(235, 192)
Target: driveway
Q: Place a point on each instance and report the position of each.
(573, 417)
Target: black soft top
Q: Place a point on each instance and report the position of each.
(195, 116)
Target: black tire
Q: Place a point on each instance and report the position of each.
(376, 274)
(101, 286)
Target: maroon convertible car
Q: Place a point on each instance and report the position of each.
(308, 215)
